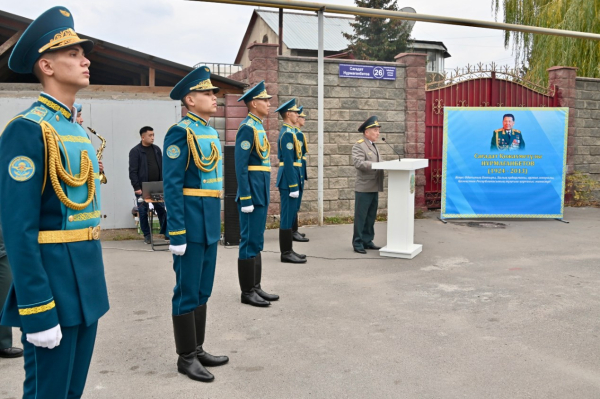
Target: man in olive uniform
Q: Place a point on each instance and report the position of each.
(52, 227)
(369, 183)
(193, 181)
(253, 174)
(296, 235)
(507, 138)
(289, 180)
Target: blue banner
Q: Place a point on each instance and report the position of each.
(367, 72)
(504, 162)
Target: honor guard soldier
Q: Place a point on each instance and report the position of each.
(50, 213)
(369, 183)
(296, 235)
(192, 188)
(289, 180)
(253, 173)
(507, 138)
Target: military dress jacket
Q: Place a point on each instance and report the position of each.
(193, 180)
(289, 153)
(505, 141)
(61, 282)
(368, 180)
(304, 145)
(252, 163)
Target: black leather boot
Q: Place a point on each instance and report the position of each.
(184, 329)
(205, 358)
(285, 246)
(296, 235)
(246, 278)
(257, 278)
(301, 256)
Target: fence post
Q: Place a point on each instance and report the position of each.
(414, 147)
(565, 80)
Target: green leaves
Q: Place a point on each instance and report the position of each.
(539, 52)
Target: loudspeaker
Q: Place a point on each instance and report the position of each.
(230, 181)
(231, 221)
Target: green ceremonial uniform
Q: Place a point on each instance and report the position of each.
(193, 179)
(507, 140)
(253, 175)
(50, 214)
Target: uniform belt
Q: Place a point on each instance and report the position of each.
(257, 168)
(295, 164)
(200, 192)
(62, 236)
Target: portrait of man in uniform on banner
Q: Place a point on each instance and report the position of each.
(507, 138)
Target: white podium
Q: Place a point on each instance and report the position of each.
(401, 207)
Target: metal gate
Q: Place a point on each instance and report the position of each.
(473, 86)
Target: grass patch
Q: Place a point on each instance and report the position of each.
(120, 235)
(581, 187)
(420, 214)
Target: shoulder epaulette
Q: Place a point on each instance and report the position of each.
(36, 114)
(516, 131)
(498, 130)
(184, 123)
(360, 141)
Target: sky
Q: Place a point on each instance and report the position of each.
(191, 32)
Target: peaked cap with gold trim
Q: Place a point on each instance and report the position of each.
(371, 122)
(288, 106)
(53, 30)
(197, 80)
(258, 92)
(301, 112)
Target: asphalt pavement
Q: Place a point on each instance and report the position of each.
(487, 310)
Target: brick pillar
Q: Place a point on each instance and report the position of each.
(565, 79)
(415, 116)
(235, 112)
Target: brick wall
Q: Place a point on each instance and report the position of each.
(587, 134)
(348, 103)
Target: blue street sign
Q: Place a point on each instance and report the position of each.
(367, 72)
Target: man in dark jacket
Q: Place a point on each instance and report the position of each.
(145, 164)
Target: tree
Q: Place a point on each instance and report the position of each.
(378, 39)
(538, 52)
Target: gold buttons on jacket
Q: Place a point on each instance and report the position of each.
(204, 181)
(71, 218)
(57, 118)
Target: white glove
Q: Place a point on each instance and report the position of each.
(248, 209)
(295, 194)
(177, 249)
(46, 339)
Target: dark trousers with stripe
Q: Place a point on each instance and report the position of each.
(365, 213)
(59, 373)
(252, 231)
(195, 275)
(289, 209)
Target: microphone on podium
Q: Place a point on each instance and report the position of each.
(399, 157)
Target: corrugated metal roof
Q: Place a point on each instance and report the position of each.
(300, 30)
